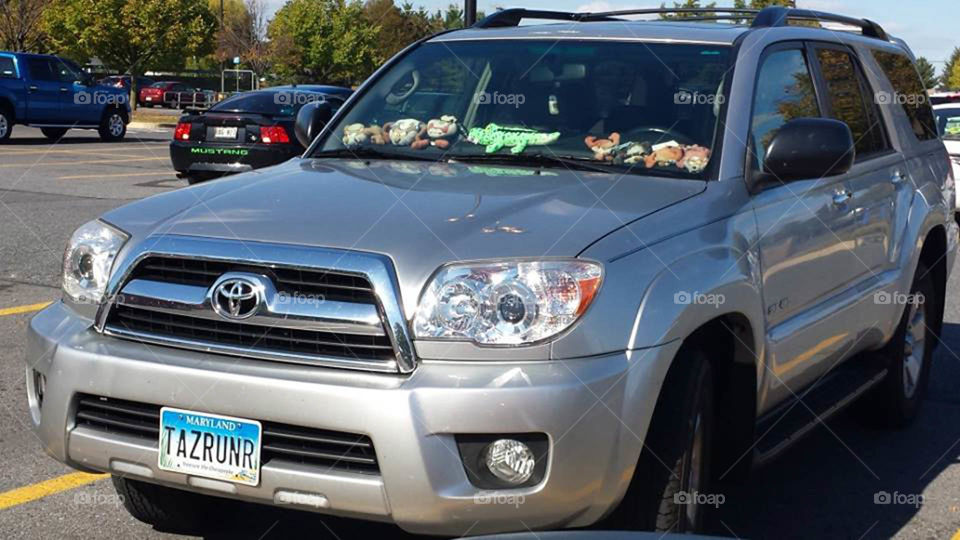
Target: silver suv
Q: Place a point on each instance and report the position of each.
(535, 276)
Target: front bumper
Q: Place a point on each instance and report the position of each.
(217, 157)
(595, 412)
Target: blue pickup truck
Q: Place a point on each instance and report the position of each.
(55, 95)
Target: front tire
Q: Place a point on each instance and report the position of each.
(6, 124)
(672, 479)
(895, 401)
(54, 134)
(113, 127)
(166, 508)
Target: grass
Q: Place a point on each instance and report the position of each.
(153, 117)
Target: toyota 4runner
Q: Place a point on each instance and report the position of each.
(527, 276)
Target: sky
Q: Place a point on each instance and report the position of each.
(930, 27)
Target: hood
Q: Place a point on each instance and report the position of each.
(420, 214)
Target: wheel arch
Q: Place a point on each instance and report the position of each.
(933, 255)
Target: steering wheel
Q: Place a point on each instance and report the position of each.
(396, 96)
(656, 135)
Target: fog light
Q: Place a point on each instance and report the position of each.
(509, 460)
(40, 382)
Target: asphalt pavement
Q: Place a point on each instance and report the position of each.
(831, 485)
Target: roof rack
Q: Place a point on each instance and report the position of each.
(766, 18)
(780, 16)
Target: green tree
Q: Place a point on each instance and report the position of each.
(329, 41)
(398, 26)
(951, 72)
(131, 36)
(686, 4)
(927, 73)
(21, 25)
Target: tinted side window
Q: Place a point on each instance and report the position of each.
(847, 97)
(784, 92)
(910, 93)
(7, 69)
(40, 70)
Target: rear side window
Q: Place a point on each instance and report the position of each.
(909, 92)
(848, 98)
(7, 69)
(784, 92)
(41, 70)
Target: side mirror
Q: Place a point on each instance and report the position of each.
(310, 120)
(809, 148)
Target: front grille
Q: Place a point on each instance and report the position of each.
(248, 336)
(291, 281)
(280, 442)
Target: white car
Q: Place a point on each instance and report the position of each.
(948, 123)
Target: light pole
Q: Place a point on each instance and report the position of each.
(469, 12)
(222, 82)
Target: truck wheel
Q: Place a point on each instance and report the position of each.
(54, 134)
(672, 478)
(113, 127)
(6, 124)
(166, 508)
(896, 400)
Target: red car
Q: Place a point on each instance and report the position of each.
(157, 93)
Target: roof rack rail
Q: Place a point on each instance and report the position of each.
(780, 16)
(766, 18)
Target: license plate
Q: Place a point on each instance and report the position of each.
(210, 445)
(225, 132)
(149, 99)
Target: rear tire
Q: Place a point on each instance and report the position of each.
(54, 134)
(673, 474)
(894, 403)
(113, 127)
(6, 124)
(166, 508)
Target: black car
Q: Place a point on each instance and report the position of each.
(245, 132)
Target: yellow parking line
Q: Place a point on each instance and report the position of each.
(97, 161)
(23, 309)
(158, 173)
(956, 536)
(138, 149)
(39, 490)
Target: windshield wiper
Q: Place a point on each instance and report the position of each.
(542, 160)
(367, 152)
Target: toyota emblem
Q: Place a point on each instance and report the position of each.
(237, 298)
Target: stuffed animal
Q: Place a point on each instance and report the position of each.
(695, 158)
(635, 152)
(664, 155)
(494, 137)
(603, 149)
(357, 134)
(438, 132)
(403, 132)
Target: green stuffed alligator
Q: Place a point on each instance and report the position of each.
(495, 137)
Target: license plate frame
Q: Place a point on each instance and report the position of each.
(224, 132)
(184, 445)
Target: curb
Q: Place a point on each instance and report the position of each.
(151, 125)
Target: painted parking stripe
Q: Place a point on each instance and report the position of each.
(53, 486)
(120, 175)
(97, 162)
(23, 309)
(957, 535)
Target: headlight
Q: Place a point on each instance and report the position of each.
(88, 260)
(506, 303)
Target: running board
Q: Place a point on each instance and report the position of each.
(791, 421)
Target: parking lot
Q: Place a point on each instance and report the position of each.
(826, 486)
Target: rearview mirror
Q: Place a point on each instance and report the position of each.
(310, 121)
(810, 148)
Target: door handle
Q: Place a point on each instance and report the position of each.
(897, 177)
(32, 88)
(840, 198)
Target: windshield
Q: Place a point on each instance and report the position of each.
(641, 107)
(948, 123)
